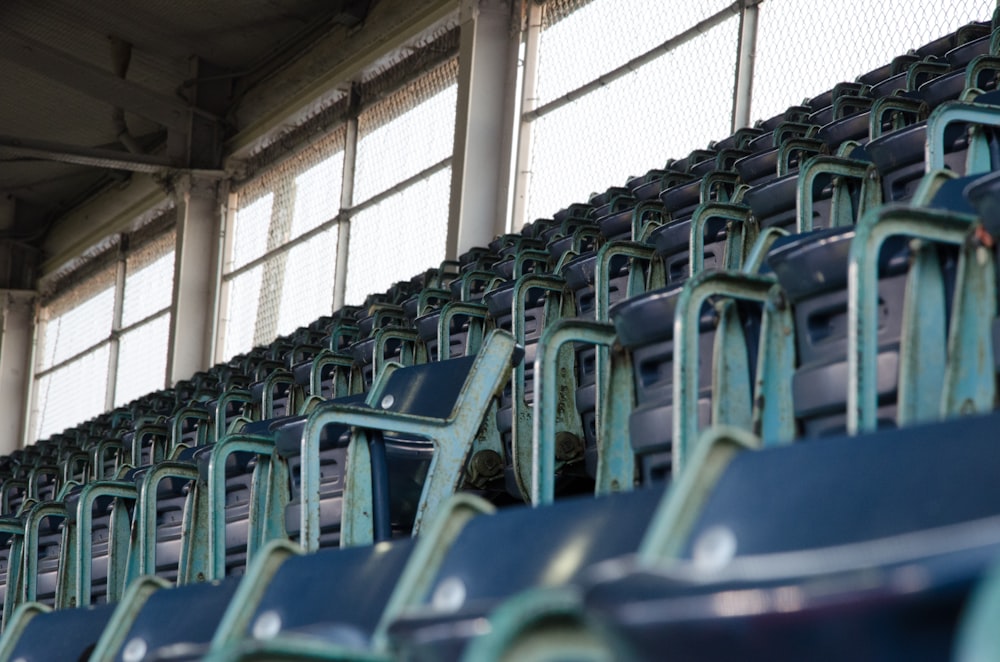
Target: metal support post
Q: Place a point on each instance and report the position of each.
(745, 55)
(116, 324)
(346, 201)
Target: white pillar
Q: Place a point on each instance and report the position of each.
(746, 53)
(346, 201)
(529, 98)
(196, 275)
(479, 168)
(17, 314)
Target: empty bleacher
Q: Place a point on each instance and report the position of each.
(741, 406)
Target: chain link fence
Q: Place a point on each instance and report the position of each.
(399, 237)
(584, 39)
(142, 359)
(406, 133)
(281, 266)
(403, 184)
(281, 261)
(71, 393)
(805, 48)
(78, 330)
(149, 274)
(623, 86)
(72, 353)
(146, 310)
(77, 318)
(661, 108)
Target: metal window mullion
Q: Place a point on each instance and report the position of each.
(225, 282)
(401, 186)
(145, 320)
(339, 219)
(76, 357)
(114, 336)
(283, 248)
(346, 200)
(116, 322)
(36, 415)
(746, 53)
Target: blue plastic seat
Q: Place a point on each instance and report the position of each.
(812, 268)
(556, 544)
(899, 155)
(40, 635)
(903, 608)
(296, 603)
(332, 459)
(853, 546)
(644, 325)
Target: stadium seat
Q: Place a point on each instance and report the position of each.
(833, 526)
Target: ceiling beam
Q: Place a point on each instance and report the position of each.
(96, 157)
(93, 81)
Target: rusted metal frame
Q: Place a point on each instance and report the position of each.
(142, 557)
(616, 462)
(79, 546)
(687, 326)
(522, 443)
(773, 418)
(871, 232)
(452, 438)
(216, 494)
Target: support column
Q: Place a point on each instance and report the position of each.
(346, 201)
(479, 167)
(529, 99)
(745, 55)
(17, 314)
(196, 275)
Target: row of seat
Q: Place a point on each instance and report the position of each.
(866, 545)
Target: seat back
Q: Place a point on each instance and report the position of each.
(429, 389)
(181, 617)
(344, 589)
(64, 634)
(543, 546)
(838, 491)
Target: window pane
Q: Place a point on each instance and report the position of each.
(407, 133)
(78, 319)
(241, 314)
(805, 48)
(317, 194)
(635, 123)
(605, 34)
(149, 280)
(142, 360)
(250, 228)
(398, 238)
(307, 291)
(294, 284)
(72, 394)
